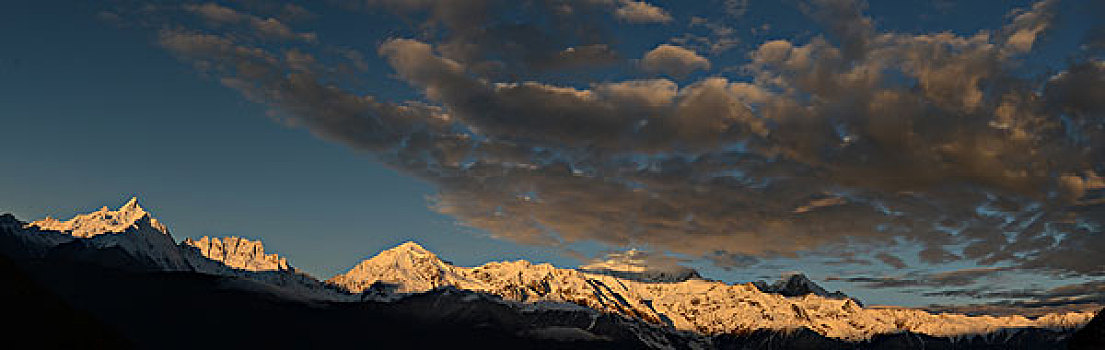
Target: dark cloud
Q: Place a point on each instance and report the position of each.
(544, 35)
(1080, 91)
(878, 282)
(731, 261)
(927, 140)
(1084, 296)
(941, 279)
(891, 260)
(846, 21)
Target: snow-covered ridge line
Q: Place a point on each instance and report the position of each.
(145, 244)
(103, 221)
(702, 306)
(680, 299)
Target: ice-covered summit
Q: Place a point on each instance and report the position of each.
(130, 215)
(408, 266)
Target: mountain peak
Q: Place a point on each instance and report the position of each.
(408, 264)
(407, 253)
(797, 284)
(132, 206)
(103, 221)
(410, 247)
(7, 220)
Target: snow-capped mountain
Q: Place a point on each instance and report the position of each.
(129, 216)
(130, 238)
(239, 253)
(658, 307)
(703, 306)
(408, 267)
(130, 228)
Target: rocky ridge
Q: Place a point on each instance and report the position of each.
(239, 253)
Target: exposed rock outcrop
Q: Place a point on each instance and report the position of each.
(239, 253)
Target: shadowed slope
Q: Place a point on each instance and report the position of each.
(1092, 336)
(38, 315)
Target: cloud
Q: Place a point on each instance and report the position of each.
(673, 60)
(640, 264)
(616, 116)
(1027, 25)
(263, 27)
(891, 260)
(931, 141)
(735, 8)
(953, 278)
(845, 20)
(294, 88)
(1088, 296)
(878, 282)
(819, 203)
(1079, 91)
(545, 35)
(731, 261)
(649, 93)
(216, 13)
(641, 12)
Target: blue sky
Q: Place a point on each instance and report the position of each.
(163, 101)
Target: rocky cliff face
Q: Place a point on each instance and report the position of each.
(702, 306)
(239, 253)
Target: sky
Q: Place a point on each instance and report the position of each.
(939, 153)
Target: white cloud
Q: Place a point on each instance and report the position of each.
(673, 60)
(641, 12)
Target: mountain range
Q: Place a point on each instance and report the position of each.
(604, 305)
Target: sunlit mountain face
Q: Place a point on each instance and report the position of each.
(932, 169)
(115, 273)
